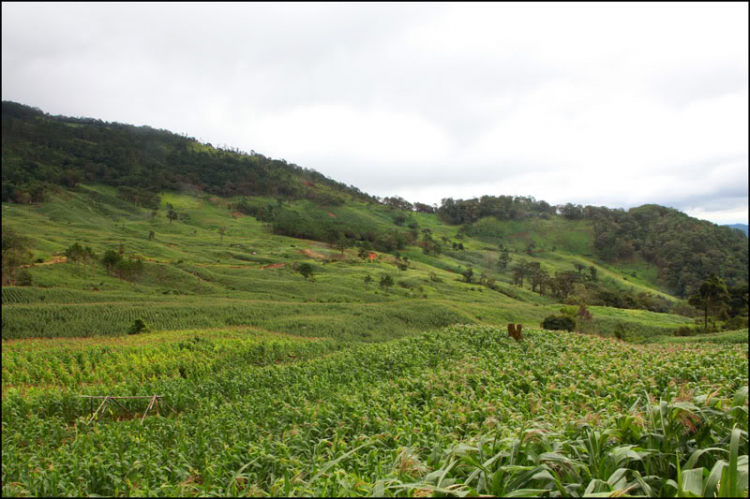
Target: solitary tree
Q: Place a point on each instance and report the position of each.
(110, 259)
(519, 272)
(368, 279)
(151, 235)
(222, 230)
(16, 252)
(171, 215)
(504, 260)
(593, 272)
(342, 242)
(74, 255)
(539, 277)
(584, 316)
(579, 267)
(712, 295)
(468, 275)
(363, 254)
(386, 282)
(307, 270)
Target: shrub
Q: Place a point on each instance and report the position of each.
(734, 323)
(559, 322)
(138, 327)
(620, 331)
(307, 270)
(24, 278)
(684, 331)
(569, 311)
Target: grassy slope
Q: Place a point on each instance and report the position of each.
(235, 288)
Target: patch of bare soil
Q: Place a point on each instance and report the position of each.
(51, 261)
(274, 266)
(313, 254)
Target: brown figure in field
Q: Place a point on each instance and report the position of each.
(511, 330)
(519, 332)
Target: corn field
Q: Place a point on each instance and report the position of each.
(463, 411)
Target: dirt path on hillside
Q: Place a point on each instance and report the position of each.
(274, 266)
(51, 261)
(313, 254)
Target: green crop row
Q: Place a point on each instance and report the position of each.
(186, 354)
(462, 411)
(377, 321)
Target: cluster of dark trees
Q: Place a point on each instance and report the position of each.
(466, 211)
(684, 249)
(715, 298)
(402, 204)
(40, 149)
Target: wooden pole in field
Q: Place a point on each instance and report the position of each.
(154, 402)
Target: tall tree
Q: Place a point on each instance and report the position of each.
(593, 272)
(711, 296)
(15, 248)
(74, 255)
(504, 259)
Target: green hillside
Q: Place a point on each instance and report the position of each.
(193, 277)
(308, 339)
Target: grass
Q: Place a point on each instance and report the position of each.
(193, 278)
(723, 338)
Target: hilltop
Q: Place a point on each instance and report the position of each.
(740, 227)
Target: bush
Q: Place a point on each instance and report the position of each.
(24, 278)
(307, 270)
(138, 327)
(569, 311)
(739, 322)
(684, 331)
(620, 331)
(559, 322)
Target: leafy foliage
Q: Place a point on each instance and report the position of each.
(427, 414)
(40, 149)
(559, 322)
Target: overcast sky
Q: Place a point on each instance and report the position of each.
(606, 104)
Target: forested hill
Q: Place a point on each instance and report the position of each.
(740, 227)
(42, 152)
(40, 149)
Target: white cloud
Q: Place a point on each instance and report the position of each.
(615, 104)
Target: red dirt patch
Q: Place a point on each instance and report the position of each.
(331, 214)
(274, 266)
(237, 214)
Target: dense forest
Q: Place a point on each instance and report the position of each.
(40, 149)
(684, 249)
(42, 152)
